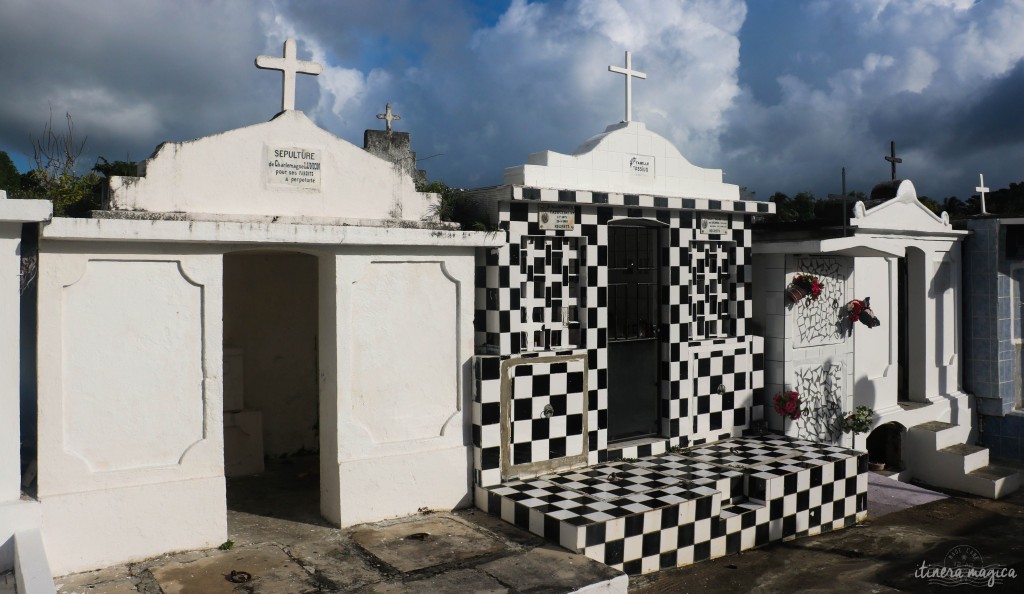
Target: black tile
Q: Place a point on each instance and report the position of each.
(703, 508)
(761, 535)
(667, 560)
(732, 543)
(635, 525)
(670, 516)
(614, 551)
(685, 535)
(788, 526)
(595, 534)
(652, 544)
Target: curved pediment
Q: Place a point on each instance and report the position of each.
(903, 213)
(626, 158)
(285, 167)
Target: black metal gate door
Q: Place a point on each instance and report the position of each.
(632, 332)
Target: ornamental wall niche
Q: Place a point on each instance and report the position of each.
(821, 401)
(818, 321)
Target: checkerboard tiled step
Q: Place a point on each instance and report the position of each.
(689, 505)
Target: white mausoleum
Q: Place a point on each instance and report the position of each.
(907, 370)
(261, 292)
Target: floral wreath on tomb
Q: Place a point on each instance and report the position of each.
(787, 404)
(860, 310)
(804, 285)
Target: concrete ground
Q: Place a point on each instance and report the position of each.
(281, 545)
(907, 526)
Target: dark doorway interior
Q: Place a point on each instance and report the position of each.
(885, 445)
(271, 404)
(903, 335)
(632, 332)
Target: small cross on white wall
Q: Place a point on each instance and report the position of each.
(288, 66)
(630, 75)
(981, 188)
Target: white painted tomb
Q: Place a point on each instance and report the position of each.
(264, 291)
(908, 369)
(19, 516)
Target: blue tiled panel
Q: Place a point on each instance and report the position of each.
(1004, 435)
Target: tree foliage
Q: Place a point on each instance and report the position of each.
(56, 175)
(10, 179)
(456, 206)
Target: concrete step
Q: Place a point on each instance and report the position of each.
(941, 435)
(966, 456)
(994, 482)
(31, 568)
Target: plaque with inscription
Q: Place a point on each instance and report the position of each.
(289, 166)
(714, 224)
(641, 166)
(553, 217)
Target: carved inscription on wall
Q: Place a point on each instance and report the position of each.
(819, 321)
(821, 401)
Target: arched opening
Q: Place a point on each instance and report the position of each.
(885, 446)
(271, 388)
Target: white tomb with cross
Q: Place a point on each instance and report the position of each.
(287, 169)
(272, 290)
(626, 158)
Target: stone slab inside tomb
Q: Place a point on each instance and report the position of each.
(619, 409)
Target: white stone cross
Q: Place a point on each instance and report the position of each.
(981, 188)
(288, 66)
(630, 74)
(388, 117)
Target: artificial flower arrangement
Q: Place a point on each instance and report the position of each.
(804, 285)
(858, 421)
(858, 310)
(787, 404)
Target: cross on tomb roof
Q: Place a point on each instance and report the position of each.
(288, 66)
(388, 117)
(630, 75)
(892, 158)
(981, 188)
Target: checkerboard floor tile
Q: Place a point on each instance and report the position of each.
(688, 505)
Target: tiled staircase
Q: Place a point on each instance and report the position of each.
(687, 505)
(939, 454)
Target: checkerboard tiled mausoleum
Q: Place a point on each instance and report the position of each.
(619, 395)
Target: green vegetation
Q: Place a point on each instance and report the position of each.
(10, 179)
(56, 174)
(456, 206)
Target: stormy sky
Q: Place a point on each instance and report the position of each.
(779, 94)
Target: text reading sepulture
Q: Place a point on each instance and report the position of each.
(293, 167)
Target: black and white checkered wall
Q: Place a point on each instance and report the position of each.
(547, 411)
(506, 322)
